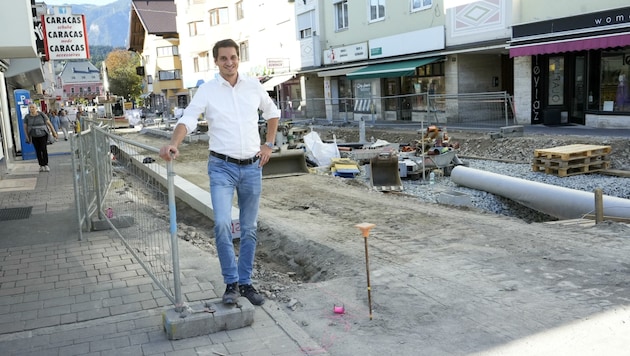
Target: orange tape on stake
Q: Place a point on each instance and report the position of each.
(365, 230)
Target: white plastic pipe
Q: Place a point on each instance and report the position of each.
(560, 202)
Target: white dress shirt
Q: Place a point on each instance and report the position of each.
(232, 114)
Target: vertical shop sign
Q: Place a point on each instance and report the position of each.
(536, 86)
(65, 37)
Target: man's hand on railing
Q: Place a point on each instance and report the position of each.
(169, 152)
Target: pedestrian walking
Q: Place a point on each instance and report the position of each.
(230, 104)
(54, 119)
(80, 119)
(65, 123)
(36, 128)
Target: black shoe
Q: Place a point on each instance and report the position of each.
(231, 293)
(248, 291)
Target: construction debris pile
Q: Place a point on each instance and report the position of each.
(385, 163)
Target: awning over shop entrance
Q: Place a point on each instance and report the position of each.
(580, 44)
(391, 70)
(338, 72)
(24, 72)
(277, 80)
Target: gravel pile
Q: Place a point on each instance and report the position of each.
(612, 186)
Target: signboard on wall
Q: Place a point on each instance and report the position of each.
(426, 40)
(355, 52)
(278, 63)
(65, 37)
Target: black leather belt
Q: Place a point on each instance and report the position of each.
(241, 162)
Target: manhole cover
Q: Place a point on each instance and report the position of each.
(15, 213)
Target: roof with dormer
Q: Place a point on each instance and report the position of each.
(79, 72)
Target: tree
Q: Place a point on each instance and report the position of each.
(98, 54)
(121, 74)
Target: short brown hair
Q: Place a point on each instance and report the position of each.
(222, 44)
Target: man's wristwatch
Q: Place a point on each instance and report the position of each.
(269, 144)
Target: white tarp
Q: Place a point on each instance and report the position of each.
(318, 151)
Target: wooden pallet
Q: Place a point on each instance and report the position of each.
(571, 169)
(570, 152)
(571, 159)
(558, 163)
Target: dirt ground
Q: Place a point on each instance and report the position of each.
(443, 280)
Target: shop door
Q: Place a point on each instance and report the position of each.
(578, 90)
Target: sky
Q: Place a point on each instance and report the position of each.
(78, 2)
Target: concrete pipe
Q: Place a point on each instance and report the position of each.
(560, 202)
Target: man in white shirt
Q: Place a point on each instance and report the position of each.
(230, 103)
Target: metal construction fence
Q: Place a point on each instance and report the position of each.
(119, 187)
(482, 110)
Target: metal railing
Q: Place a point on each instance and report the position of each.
(488, 109)
(118, 185)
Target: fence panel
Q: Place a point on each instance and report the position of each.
(136, 200)
(491, 109)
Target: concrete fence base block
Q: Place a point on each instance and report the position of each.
(208, 317)
(455, 198)
(119, 222)
(512, 131)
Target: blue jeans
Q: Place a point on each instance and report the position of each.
(246, 180)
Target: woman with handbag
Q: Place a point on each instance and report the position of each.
(37, 127)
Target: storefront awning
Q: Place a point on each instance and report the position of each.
(277, 80)
(580, 44)
(391, 70)
(24, 72)
(337, 72)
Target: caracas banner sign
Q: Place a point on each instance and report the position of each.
(65, 37)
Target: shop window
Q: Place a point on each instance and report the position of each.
(392, 89)
(614, 90)
(345, 95)
(555, 89)
(363, 95)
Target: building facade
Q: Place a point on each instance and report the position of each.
(153, 35)
(80, 81)
(571, 63)
(265, 33)
(21, 74)
(561, 64)
(376, 57)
